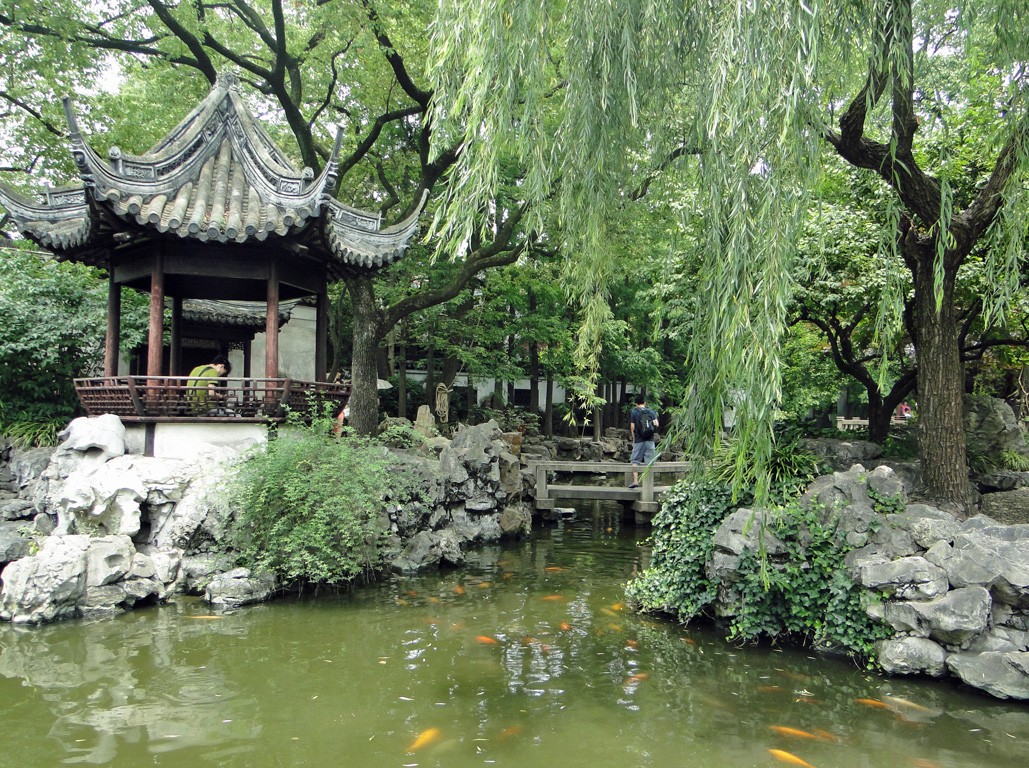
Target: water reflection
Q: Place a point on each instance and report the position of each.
(526, 658)
(141, 678)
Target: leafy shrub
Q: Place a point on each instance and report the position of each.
(27, 432)
(807, 594)
(1014, 461)
(313, 506)
(401, 436)
(511, 419)
(682, 535)
(790, 467)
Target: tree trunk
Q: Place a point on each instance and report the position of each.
(941, 432)
(402, 371)
(878, 419)
(430, 371)
(534, 364)
(548, 407)
(364, 397)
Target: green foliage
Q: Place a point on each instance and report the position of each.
(982, 463)
(1014, 461)
(314, 507)
(511, 419)
(54, 321)
(402, 436)
(682, 535)
(887, 505)
(33, 433)
(901, 444)
(806, 593)
(789, 467)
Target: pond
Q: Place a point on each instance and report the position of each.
(525, 657)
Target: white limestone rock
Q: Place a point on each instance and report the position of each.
(47, 585)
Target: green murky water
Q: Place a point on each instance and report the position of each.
(525, 658)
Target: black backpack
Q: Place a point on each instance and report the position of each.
(645, 424)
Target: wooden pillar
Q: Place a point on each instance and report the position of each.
(175, 356)
(155, 341)
(248, 356)
(321, 334)
(111, 343)
(271, 325)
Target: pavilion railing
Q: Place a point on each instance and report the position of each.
(171, 398)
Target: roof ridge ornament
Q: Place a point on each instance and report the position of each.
(228, 80)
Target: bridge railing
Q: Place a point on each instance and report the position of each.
(172, 398)
(643, 498)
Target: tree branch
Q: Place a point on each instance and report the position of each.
(394, 59)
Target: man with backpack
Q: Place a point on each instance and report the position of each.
(643, 423)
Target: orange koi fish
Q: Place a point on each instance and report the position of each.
(553, 568)
(873, 703)
(788, 758)
(412, 593)
(784, 730)
(608, 612)
(920, 763)
(507, 733)
(617, 606)
(434, 600)
(826, 736)
(768, 688)
(689, 641)
(484, 585)
(615, 627)
(506, 575)
(637, 678)
(632, 644)
(564, 626)
(458, 590)
(486, 640)
(554, 597)
(425, 738)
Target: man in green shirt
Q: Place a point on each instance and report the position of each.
(202, 386)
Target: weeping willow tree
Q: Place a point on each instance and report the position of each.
(757, 91)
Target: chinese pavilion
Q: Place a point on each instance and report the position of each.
(214, 211)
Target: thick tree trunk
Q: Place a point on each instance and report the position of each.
(364, 397)
(878, 419)
(941, 433)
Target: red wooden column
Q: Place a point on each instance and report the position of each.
(155, 341)
(271, 324)
(321, 335)
(111, 342)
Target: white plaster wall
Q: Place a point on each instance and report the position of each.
(186, 441)
(484, 387)
(296, 347)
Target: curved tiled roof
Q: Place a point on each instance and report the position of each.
(216, 177)
(245, 314)
(59, 220)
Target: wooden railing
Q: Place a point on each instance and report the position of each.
(171, 398)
